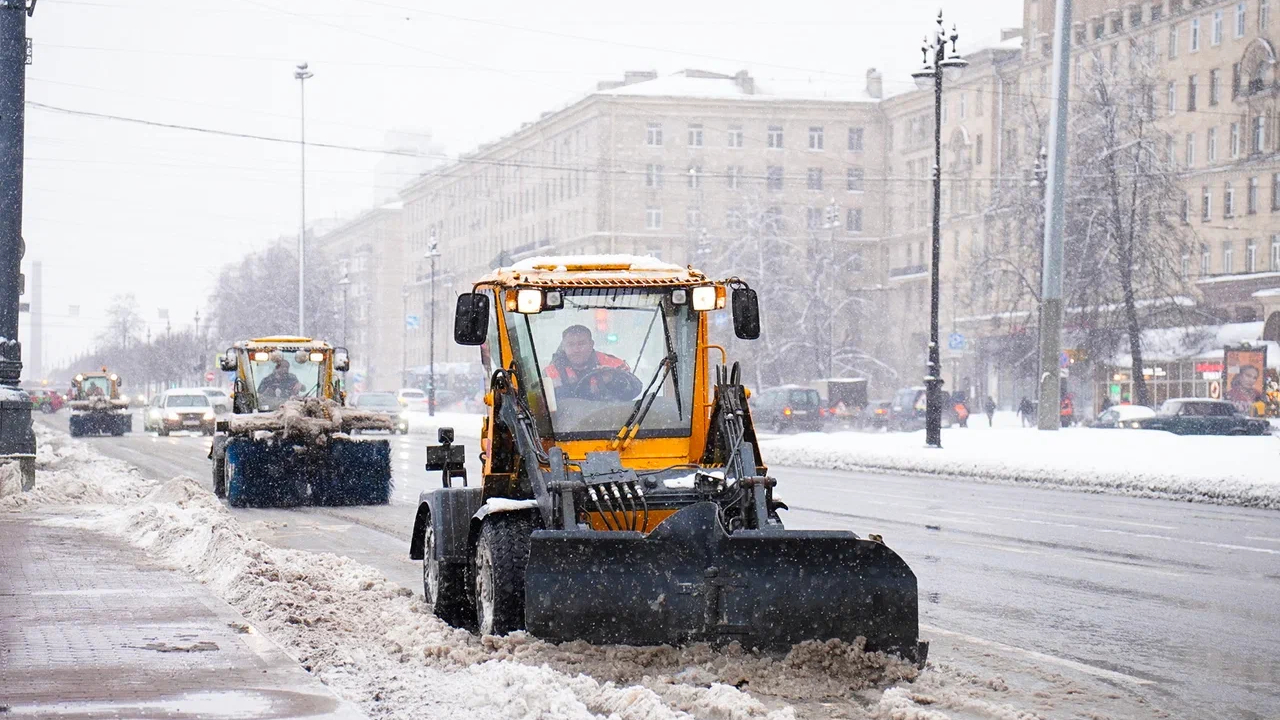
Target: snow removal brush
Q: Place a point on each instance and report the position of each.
(622, 496)
(289, 440)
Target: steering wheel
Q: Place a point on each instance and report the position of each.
(610, 384)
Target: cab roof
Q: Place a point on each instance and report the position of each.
(592, 271)
(276, 341)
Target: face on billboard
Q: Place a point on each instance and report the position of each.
(1244, 370)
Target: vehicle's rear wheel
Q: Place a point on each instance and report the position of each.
(220, 476)
(162, 432)
(502, 553)
(444, 585)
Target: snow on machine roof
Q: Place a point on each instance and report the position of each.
(593, 271)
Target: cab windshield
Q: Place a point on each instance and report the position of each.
(273, 387)
(600, 354)
(95, 387)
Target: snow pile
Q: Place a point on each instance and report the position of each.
(374, 643)
(1148, 463)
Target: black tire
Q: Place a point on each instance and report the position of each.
(502, 553)
(162, 432)
(444, 585)
(47, 409)
(220, 476)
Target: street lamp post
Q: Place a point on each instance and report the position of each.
(433, 252)
(344, 283)
(199, 349)
(404, 337)
(932, 72)
(302, 74)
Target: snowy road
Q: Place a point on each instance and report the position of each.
(1177, 604)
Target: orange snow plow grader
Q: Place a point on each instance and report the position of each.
(97, 408)
(623, 498)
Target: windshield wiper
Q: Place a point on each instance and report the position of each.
(632, 426)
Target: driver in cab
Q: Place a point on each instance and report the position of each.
(578, 370)
(280, 383)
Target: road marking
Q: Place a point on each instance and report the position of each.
(1082, 517)
(1262, 539)
(1064, 662)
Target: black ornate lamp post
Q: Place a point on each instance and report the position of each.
(936, 63)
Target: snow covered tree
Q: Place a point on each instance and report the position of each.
(258, 296)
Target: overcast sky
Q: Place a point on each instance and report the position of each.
(114, 207)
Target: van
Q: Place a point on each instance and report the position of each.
(788, 407)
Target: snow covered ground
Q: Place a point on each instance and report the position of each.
(373, 643)
(1226, 470)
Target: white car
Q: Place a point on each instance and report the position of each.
(1121, 416)
(220, 399)
(412, 399)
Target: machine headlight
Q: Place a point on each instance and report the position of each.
(529, 301)
(704, 297)
(316, 357)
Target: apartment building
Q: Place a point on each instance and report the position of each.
(369, 251)
(657, 166)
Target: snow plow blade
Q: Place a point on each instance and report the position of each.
(689, 581)
(269, 473)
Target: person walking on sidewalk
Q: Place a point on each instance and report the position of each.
(990, 408)
(1025, 411)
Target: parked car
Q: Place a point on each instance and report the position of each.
(220, 399)
(1123, 416)
(875, 416)
(412, 399)
(46, 401)
(185, 410)
(788, 407)
(907, 412)
(387, 404)
(1199, 416)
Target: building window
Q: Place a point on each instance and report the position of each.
(1251, 197)
(734, 176)
(977, 150)
(693, 217)
(1211, 145)
(1186, 208)
(1216, 36)
(695, 177)
(1157, 11)
(1195, 35)
(978, 101)
(853, 220)
(1235, 80)
(1206, 204)
(1173, 97)
(695, 136)
(1228, 258)
(1275, 192)
(964, 109)
(1192, 87)
(775, 136)
(1204, 259)
(773, 178)
(735, 136)
(1228, 201)
(855, 139)
(1168, 149)
(1264, 16)
(653, 176)
(653, 135)
(1099, 29)
(1117, 24)
(853, 179)
(814, 179)
(815, 138)
(1215, 85)
(1275, 252)
(1259, 134)
(1186, 265)
(1191, 149)
(733, 220)
(1173, 41)
(653, 218)
(1239, 20)
(1250, 256)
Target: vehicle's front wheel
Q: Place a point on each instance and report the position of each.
(444, 585)
(502, 553)
(162, 432)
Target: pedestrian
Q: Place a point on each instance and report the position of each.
(962, 412)
(1106, 404)
(1025, 412)
(1067, 410)
(990, 407)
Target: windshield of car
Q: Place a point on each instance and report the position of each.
(594, 358)
(413, 395)
(175, 401)
(273, 387)
(803, 398)
(377, 401)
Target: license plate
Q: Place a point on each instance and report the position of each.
(190, 422)
(799, 412)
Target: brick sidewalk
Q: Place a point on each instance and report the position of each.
(91, 628)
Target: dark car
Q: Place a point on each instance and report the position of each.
(907, 411)
(788, 407)
(387, 404)
(875, 416)
(1199, 416)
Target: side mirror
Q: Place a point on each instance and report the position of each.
(341, 359)
(471, 319)
(746, 313)
(227, 361)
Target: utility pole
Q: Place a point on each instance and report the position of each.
(1051, 278)
(17, 441)
(302, 74)
(404, 336)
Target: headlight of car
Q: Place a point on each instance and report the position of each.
(208, 414)
(171, 415)
(1135, 425)
(154, 414)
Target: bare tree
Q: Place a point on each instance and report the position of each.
(257, 297)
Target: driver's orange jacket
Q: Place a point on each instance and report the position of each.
(567, 373)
